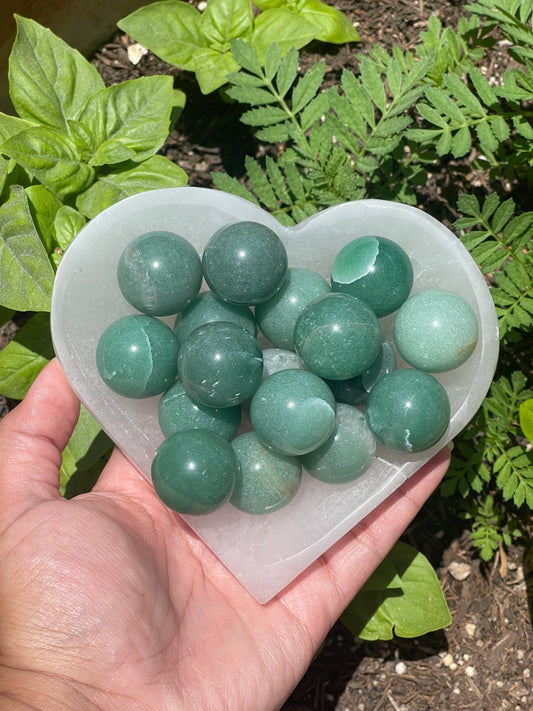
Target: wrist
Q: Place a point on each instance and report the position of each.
(23, 690)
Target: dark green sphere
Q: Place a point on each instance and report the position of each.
(244, 263)
(193, 471)
(136, 356)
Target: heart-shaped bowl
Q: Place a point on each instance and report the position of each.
(264, 552)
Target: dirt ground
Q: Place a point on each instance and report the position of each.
(484, 660)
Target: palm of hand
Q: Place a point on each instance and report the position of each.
(114, 593)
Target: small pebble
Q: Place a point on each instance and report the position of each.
(459, 571)
(526, 673)
(447, 660)
(520, 654)
(470, 671)
(400, 668)
(470, 630)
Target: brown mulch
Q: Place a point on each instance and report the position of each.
(484, 660)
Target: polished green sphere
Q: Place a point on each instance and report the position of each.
(384, 363)
(293, 411)
(206, 308)
(436, 330)
(349, 451)
(136, 356)
(337, 336)
(194, 471)
(376, 270)
(277, 317)
(408, 410)
(266, 480)
(178, 411)
(244, 263)
(159, 273)
(220, 364)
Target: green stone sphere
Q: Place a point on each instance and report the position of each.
(408, 410)
(293, 412)
(337, 336)
(244, 263)
(220, 364)
(136, 356)
(159, 273)
(347, 454)
(206, 308)
(350, 391)
(177, 411)
(266, 481)
(194, 471)
(277, 317)
(385, 362)
(376, 270)
(436, 331)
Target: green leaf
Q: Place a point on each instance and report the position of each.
(487, 140)
(444, 104)
(68, 222)
(286, 28)
(25, 356)
(11, 125)
(26, 274)
(526, 418)
(308, 86)
(272, 60)
(264, 116)
(287, 72)
(459, 90)
(87, 444)
(229, 184)
(461, 142)
(333, 24)
(129, 121)
(224, 20)
(212, 68)
(156, 172)
(49, 81)
(417, 608)
(373, 84)
(52, 158)
(5, 315)
(170, 29)
(251, 95)
(44, 206)
(246, 56)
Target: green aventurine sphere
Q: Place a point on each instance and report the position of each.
(136, 356)
(206, 308)
(337, 336)
(435, 330)
(293, 411)
(194, 471)
(220, 364)
(376, 270)
(177, 411)
(159, 273)
(347, 453)
(277, 316)
(408, 410)
(266, 480)
(244, 263)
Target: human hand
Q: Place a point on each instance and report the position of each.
(110, 601)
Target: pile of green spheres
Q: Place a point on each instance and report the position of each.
(323, 393)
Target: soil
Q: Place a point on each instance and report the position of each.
(484, 660)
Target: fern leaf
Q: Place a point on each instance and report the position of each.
(373, 84)
(307, 86)
(246, 56)
(260, 183)
(228, 184)
(287, 72)
(264, 116)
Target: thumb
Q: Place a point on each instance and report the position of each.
(32, 438)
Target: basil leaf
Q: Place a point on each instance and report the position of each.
(212, 69)
(156, 172)
(224, 20)
(285, 27)
(333, 24)
(129, 121)
(52, 158)
(5, 315)
(44, 206)
(68, 222)
(526, 418)
(417, 608)
(26, 274)
(170, 29)
(49, 81)
(11, 125)
(87, 444)
(25, 356)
